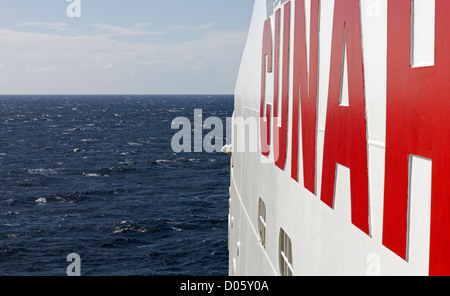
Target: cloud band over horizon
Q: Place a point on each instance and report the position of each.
(63, 57)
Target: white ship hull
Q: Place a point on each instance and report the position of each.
(367, 191)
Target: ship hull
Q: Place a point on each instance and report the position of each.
(336, 167)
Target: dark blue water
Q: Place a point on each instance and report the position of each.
(96, 176)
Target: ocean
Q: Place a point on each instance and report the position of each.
(96, 176)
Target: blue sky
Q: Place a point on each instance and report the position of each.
(122, 47)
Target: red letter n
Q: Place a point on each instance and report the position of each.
(305, 87)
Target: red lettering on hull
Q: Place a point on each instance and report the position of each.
(417, 119)
(345, 131)
(417, 123)
(305, 89)
(265, 110)
(280, 132)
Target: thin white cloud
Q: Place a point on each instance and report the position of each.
(141, 25)
(107, 30)
(41, 69)
(51, 26)
(109, 66)
(202, 27)
(87, 63)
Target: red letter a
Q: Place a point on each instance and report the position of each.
(345, 132)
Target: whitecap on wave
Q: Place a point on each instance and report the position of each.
(41, 201)
(134, 144)
(128, 226)
(11, 213)
(94, 175)
(42, 171)
(12, 224)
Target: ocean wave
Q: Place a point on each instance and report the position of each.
(41, 201)
(70, 189)
(59, 198)
(94, 175)
(128, 226)
(10, 213)
(13, 224)
(134, 144)
(42, 171)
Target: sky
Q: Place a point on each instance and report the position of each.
(122, 47)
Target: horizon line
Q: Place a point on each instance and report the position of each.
(106, 94)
